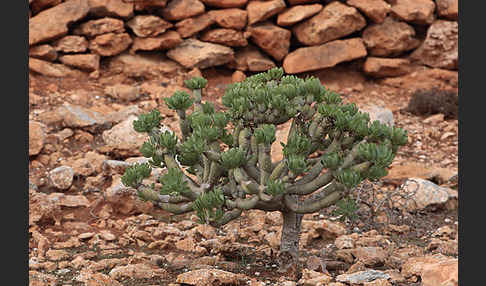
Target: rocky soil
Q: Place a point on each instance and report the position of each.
(86, 229)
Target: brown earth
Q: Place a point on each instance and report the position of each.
(71, 246)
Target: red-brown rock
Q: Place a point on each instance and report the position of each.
(37, 136)
(191, 26)
(297, 2)
(43, 52)
(111, 8)
(441, 273)
(448, 9)
(390, 38)
(252, 59)
(238, 76)
(261, 10)
(110, 44)
(150, 5)
(148, 25)
(50, 69)
(440, 48)
(273, 39)
(297, 13)
(146, 66)
(53, 23)
(376, 10)
(225, 3)
(100, 26)
(39, 5)
(182, 9)
(194, 53)
(324, 56)
(166, 41)
(227, 37)
(336, 20)
(414, 11)
(386, 67)
(232, 18)
(71, 44)
(88, 62)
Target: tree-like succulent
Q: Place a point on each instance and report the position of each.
(331, 148)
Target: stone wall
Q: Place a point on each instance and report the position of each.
(387, 36)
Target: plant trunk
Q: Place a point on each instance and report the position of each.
(289, 245)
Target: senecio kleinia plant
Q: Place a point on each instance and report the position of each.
(331, 148)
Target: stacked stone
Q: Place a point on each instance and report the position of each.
(245, 35)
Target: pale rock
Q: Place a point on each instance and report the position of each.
(297, 13)
(425, 194)
(111, 8)
(203, 277)
(262, 10)
(148, 25)
(75, 116)
(194, 53)
(71, 44)
(386, 67)
(335, 21)
(370, 256)
(448, 9)
(190, 26)
(87, 62)
(166, 41)
(110, 44)
(416, 265)
(389, 38)
(57, 254)
(443, 273)
(108, 236)
(362, 276)
(124, 92)
(90, 164)
(378, 282)
(97, 27)
(51, 69)
(311, 277)
(223, 36)
(69, 200)
(232, 18)
(53, 23)
(62, 177)
(382, 114)
(271, 38)
(182, 9)
(440, 48)
(44, 52)
(122, 138)
(414, 11)
(37, 137)
(376, 10)
(344, 242)
(99, 279)
(225, 3)
(324, 56)
(138, 271)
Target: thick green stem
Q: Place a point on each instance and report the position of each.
(289, 245)
(331, 195)
(264, 163)
(244, 204)
(227, 217)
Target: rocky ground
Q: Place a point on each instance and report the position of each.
(85, 230)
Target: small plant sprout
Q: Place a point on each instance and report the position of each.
(221, 165)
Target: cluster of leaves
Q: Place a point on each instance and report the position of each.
(208, 206)
(346, 208)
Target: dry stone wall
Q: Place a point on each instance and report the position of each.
(387, 36)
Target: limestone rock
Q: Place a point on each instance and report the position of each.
(376, 10)
(166, 41)
(44, 52)
(223, 36)
(53, 23)
(384, 115)
(71, 44)
(440, 48)
(111, 8)
(148, 25)
(62, 177)
(232, 18)
(324, 56)
(194, 53)
(225, 3)
(97, 27)
(414, 11)
(182, 9)
(138, 271)
(37, 137)
(146, 66)
(203, 277)
(386, 67)
(362, 276)
(123, 138)
(425, 193)
(251, 59)
(448, 9)
(297, 13)
(262, 10)
(271, 38)
(79, 117)
(390, 38)
(188, 27)
(88, 62)
(50, 69)
(110, 44)
(336, 20)
(69, 200)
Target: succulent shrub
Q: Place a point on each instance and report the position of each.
(331, 148)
